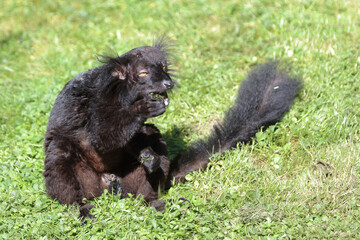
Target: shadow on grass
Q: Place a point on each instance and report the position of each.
(175, 140)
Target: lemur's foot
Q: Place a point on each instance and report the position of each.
(150, 160)
(113, 182)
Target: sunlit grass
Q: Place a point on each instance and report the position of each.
(299, 179)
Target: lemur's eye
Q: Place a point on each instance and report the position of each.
(143, 74)
(164, 68)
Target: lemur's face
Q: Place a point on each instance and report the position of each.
(147, 70)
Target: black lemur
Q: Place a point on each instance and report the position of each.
(97, 138)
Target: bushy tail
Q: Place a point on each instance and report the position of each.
(262, 100)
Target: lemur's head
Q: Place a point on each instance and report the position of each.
(145, 71)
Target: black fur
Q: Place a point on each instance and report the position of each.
(262, 100)
(97, 139)
(96, 128)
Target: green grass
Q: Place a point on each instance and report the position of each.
(299, 179)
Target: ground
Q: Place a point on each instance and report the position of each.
(298, 179)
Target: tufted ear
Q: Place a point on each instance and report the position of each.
(119, 72)
(138, 54)
(117, 65)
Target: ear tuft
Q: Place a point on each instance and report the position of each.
(164, 44)
(119, 73)
(117, 65)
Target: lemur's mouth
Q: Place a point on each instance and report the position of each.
(157, 95)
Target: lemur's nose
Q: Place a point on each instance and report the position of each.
(168, 83)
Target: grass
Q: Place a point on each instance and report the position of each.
(299, 179)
